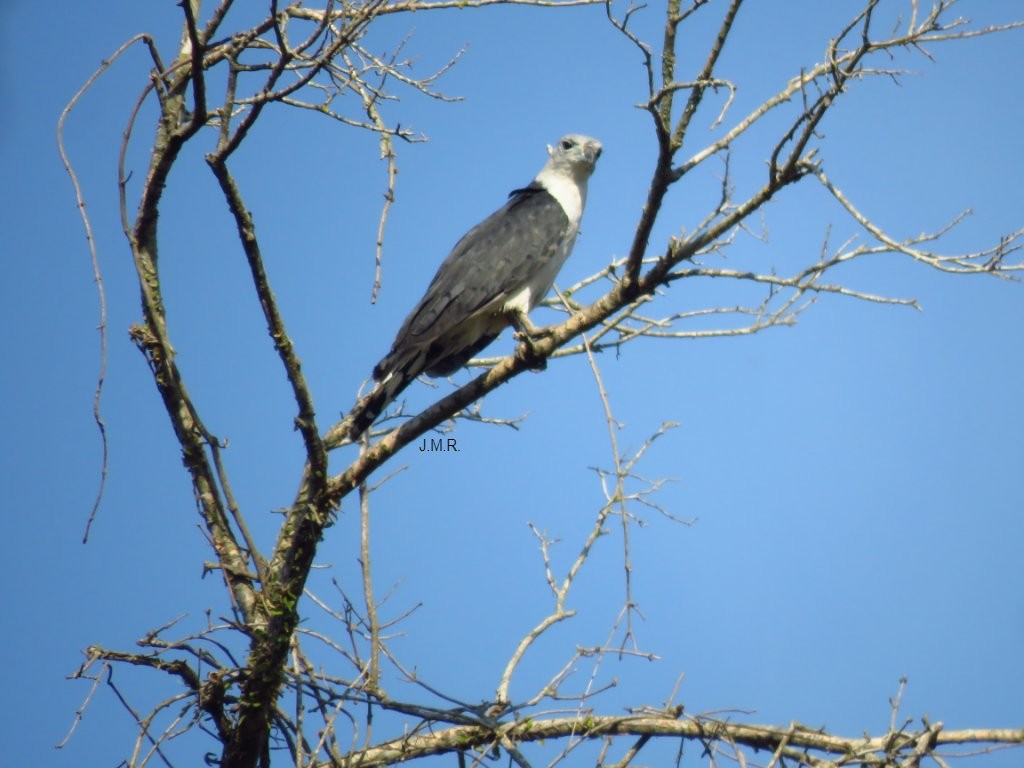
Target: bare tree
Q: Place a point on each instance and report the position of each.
(250, 679)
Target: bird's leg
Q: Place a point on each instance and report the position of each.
(525, 329)
(528, 333)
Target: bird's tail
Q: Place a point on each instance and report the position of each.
(393, 377)
(367, 410)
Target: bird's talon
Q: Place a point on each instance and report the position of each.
(528, 354)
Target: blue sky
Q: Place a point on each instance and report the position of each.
(856, 479)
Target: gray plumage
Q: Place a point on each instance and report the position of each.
(493, 277)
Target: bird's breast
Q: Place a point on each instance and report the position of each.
(539, 283)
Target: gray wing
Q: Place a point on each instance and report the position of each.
(493, 261)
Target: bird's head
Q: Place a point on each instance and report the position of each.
(574, 154)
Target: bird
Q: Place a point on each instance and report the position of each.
(496, 273)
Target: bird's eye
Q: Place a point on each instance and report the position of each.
(566, 144)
